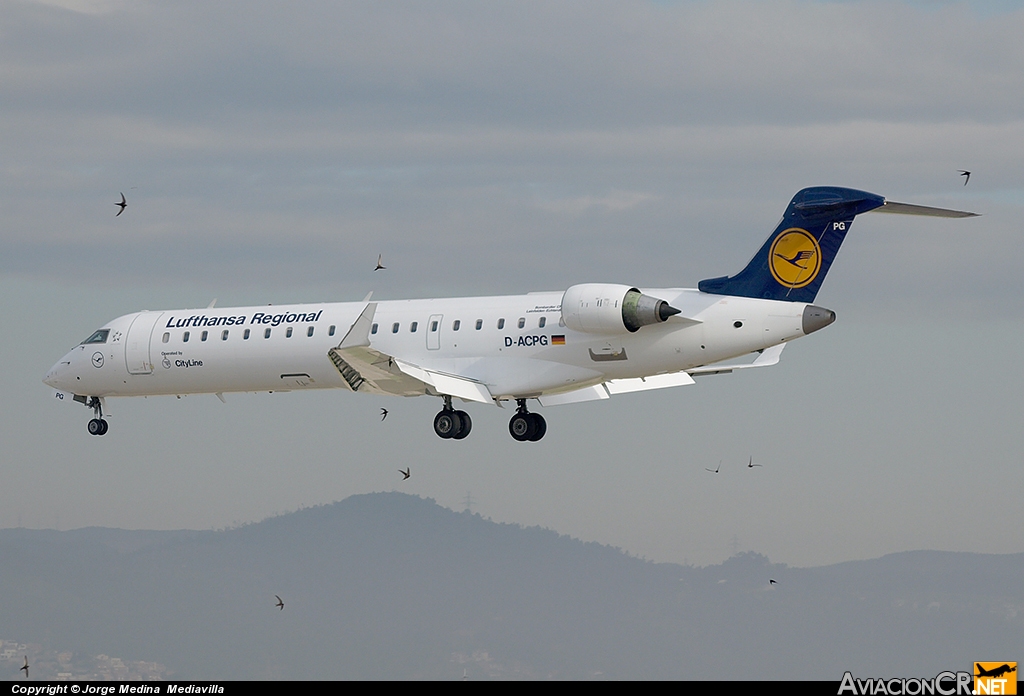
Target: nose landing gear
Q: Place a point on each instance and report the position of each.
(97, 426)
(526, 426)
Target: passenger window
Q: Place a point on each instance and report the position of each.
(373, 329)
(167, 336)
(224, 335)
(456, 325)
(413, 326)
(184, 338)
(98, 337)
(394, 327)
(479, 324)
(309, 331)
(542, 322)
(288, 333)
(522, 322)
(330, 331)
(433, 326)
(245, 336)
(266, 334)
(501, 323)
(205, 334)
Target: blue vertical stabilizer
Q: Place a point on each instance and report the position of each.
(793, 262)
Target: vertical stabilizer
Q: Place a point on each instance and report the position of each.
(793, 262)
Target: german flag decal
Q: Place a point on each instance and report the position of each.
(558, 340)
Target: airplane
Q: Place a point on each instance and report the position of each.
(588, 342)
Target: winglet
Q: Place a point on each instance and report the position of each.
(359, 333)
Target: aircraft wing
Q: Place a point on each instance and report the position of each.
(370, 371)
(769, 356)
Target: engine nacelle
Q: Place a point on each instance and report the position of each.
(610, 309)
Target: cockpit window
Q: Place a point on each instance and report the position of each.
(98, 337)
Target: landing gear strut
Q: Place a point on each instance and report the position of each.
(526, 426)
(452, 424)
(97, 426)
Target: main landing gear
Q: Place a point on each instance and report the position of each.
(97, 426)
(455, 425)
(526, 426)
(452, 424)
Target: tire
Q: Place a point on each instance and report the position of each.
(447, 424)
(103, 427)
(522, 427)
(541, 426)
(95, 427)
(467, 425)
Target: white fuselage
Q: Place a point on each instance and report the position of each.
(510, 344)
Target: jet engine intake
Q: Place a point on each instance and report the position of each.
(609, 308)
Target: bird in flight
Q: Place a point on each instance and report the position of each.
(405, 474)
(123, 204)
(965, 174)
(383, 413)
(280, 603)
(772, 582)
(751, 464)
(715, 471)
(800, 256)
(25, 667)
(380, 266)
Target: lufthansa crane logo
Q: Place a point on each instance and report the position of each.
(795, 258)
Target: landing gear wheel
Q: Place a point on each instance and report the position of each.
(447, 424)
(541, 426)
(97, 426)
(467, 425)
(522, 427)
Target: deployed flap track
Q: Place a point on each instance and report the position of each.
(352, 378)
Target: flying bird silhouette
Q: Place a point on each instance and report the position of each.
(751, 464)
(383, 413)
(772, 582)
(380, 266)
(25, 667)
(280, 603)
(965, 174)
(715, 471)
(123, 204)
(800, 256)
(405, 474)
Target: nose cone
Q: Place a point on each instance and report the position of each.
(57, 377)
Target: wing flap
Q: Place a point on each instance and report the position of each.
(452, 385)
(574, 397)
(624, 386)
(769, 356)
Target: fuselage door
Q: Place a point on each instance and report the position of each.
(136, 345)
(434, 332)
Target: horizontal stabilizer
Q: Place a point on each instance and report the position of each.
(927, 211)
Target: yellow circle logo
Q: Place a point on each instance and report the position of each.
(794, 258)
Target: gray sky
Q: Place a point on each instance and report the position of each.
(269, 152)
